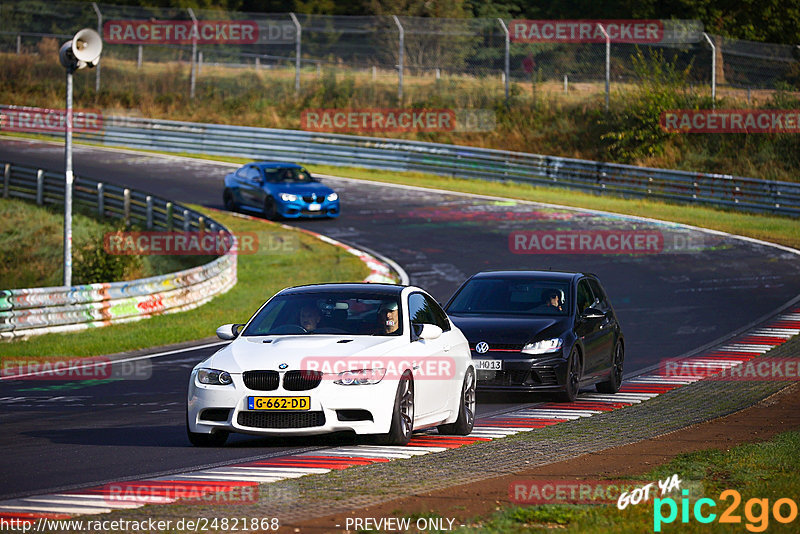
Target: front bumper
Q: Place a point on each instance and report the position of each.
(365, 409)
(541, 373)
(301, 208)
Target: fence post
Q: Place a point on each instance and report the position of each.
(199, 63)
(126, 207)
(507, 63)
(168, 215)
(101, 208)
(400, 54)
(19, 44)
(149, 204)
(608, 63)
(713, 71)
(201, 224)
(100, 31)
(6, 179)
(297, 52)
(187, 223)
(40, 187)
(139, 58)
(566, 84)
(194, 52)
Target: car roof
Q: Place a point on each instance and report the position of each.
(531, 275)
(387, 289)
(275, 165)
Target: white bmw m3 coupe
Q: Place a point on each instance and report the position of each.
(368, 358)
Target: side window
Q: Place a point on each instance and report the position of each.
(253, 173)
(599, 294)
(419, 311)
(439, 317)
(585, 297)
(242, 172)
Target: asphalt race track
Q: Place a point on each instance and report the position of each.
(696, 288)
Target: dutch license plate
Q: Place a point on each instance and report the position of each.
(314, 207)
(278, 403)
(489, 365)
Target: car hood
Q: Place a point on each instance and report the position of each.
(255, 353)
(509, 329)
(302, 188)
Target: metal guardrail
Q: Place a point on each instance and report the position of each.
(716, 190)
(25, 312)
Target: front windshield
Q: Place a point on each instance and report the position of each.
(328, 312)
(515, 297)
(295, 176)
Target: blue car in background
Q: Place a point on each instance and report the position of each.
(279, 190)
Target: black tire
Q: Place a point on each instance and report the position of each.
(403, 415)
(572, 383)
(216, 438)
(466, 412)
(270, 210)
(614, 382)
(228, 200)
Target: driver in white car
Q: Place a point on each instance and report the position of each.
(388, 318)
(310, 317)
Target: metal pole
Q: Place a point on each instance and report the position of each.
(297, 52)
(68, 179)
(99, 31)
(194, 51)
(199, 62)
(507, 70)
(713, 71)
(608, 63)
(400, 51)
(139, 58)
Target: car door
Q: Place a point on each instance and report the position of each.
(587, 329)
(250, 187)
(427, 355)
(453, 365)
(608, 327)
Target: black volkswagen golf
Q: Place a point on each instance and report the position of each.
(540, 331)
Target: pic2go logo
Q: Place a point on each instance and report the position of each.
(756, 511)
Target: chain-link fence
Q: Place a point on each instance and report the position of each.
(407, 51)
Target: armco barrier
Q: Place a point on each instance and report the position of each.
(26, 312)
(718, 190)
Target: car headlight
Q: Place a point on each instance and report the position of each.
(288, 197)
(214, 377)
(332, 197)
(360, 377)
(543, 347)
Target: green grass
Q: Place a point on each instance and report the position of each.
(31, 245)
(766, 470)
(259, 277)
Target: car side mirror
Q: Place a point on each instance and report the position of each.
(430, 331)
(228, 332)
(592, 313)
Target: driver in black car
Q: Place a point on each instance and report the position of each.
(553, 299)
(310, 317)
